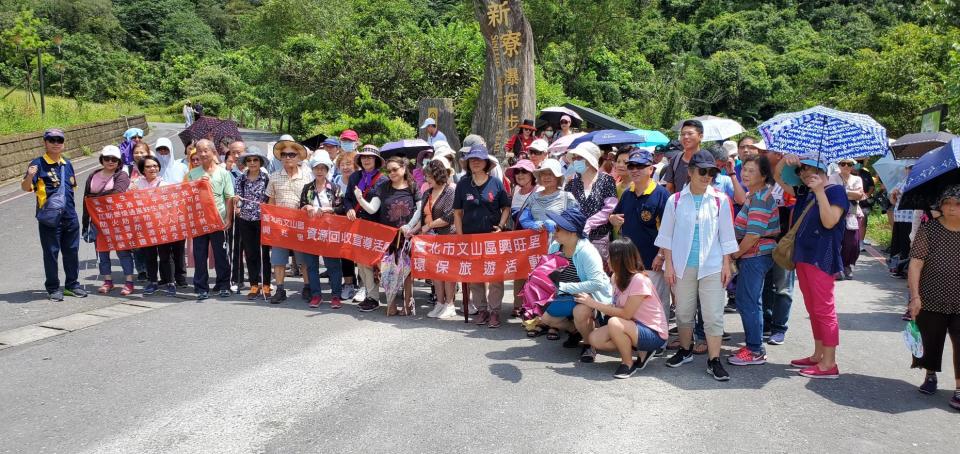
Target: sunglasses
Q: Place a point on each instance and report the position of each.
(54, 139)
(711, 171)
(251, 160)
(111, 159)
(636, 166)
(564, 122)
(845, 164)
(288, 155)
(393, 169)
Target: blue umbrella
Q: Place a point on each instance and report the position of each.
(830, 135)
(932, 173)
(609, 137)
(653, 138)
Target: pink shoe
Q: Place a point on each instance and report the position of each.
(315, 301)
(803, 363)
(494, 321)
(335, 303)
(815, 372)
(126, 290)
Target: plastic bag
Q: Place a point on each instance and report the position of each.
(911, 338)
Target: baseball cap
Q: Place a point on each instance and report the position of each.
(703, 159)
(53, 132)
(428, 122)
(642, 157)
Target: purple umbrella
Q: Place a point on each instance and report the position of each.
(408, 148)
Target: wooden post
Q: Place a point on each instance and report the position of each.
(508, 94)
(441, 110)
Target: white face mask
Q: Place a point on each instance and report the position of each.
(348, 146)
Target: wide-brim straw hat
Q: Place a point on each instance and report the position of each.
(286, 141)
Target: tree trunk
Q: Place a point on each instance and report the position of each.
(441, 110)
(508, 94)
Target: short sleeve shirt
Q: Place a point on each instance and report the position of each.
(285, 190)
(222, 183)
(252, 193)
(939, 249)
(760, 217)
(641, 219)
(815, 244)
(481, 205)
(396, 205)
(650, 313)
(47, 181)
(676, 173)
(723, 183)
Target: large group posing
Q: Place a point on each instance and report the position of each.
(686, 230)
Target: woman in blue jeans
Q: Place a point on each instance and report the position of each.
(757, 227)
(321, 197)
(109, 179)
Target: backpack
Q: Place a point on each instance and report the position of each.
(540, 289)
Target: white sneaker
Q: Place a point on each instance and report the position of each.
(448, 311)
(360, 295)
(348, 291)
(437, 308)
(234, 288)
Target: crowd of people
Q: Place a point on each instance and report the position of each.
(686, 231)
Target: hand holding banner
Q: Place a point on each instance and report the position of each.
(143, 218)
(328, 235)
(486, 257)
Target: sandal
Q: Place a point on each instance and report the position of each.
(538, 331)
(105, 288)
(410, 308)
(515, 313)
(699, 348)
(553, 334)
(126, 290)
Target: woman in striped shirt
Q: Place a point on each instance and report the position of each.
(757, 227)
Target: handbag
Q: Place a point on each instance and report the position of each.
(52, 211)
(783, 253)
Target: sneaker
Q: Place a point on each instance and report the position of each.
(494, 320)
(335, 303)
(75, 292)
(224, 293)
(348, 291)
(171, 290)
(254, 291)
(306, 294)
(588, 355)
(267, 291)
(803, 363)
(777, 338)
(625, 371)
(730, 308)
(482, 318)
(279, 297)
(56, 295)
(674, 331)
(183, 284)
(437, 308)
(716, 370)
(847, 273)
(142, 276)
(641, 365)
(680, 358)
(235, 288)
(316, 301)
(929, 385)
(766, 334)
(658, 352)
(368, 305)
(360, 295)
(448, 312)
(573, 340)
(815, 372)
(127, 289)
(955, 400)
(151, 288)
(726, 336)
(746, 357)
(202, 296)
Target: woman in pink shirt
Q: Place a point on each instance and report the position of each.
(636, 318)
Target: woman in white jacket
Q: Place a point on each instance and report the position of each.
(696, 238)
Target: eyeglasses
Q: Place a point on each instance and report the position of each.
(393, 169)
(636, 166)
(845, 164)
(288, 155)
(54, 139)
(711, 171)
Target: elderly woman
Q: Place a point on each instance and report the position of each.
(346, 162)
(934, 301)
(434, 216)
(252, 191)
(635, 320)
(757, 227)
(537, 151)
(109, 179)
(524, 185)
(696, 238)
(157, 258)
(321, 197)
(819, 212)
(363, 184)
(583, 276)
(853, 184)
(595, 191)
(549, 199)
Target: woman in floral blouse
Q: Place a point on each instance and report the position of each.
(251, 192)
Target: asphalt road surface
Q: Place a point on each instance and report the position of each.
(163, 374)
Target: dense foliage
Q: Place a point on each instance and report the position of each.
(320, 64)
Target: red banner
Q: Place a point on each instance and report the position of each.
(148, 217)
(364, 242)
(487, 257)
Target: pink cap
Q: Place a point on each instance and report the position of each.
(350, 135)
(566, 117)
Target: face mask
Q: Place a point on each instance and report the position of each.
(579, 166)
(548, 134)
(426, 162)
(348, 146)
(857, 166)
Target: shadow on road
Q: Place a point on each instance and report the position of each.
(884, 395)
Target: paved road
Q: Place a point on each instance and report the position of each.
(235, 376)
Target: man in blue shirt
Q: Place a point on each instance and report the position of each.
(638, 215)
(44, 177)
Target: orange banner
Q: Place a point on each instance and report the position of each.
(364, 242)
(148, 217)
(486, 257)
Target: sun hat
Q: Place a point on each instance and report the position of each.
(109, 151)
(369, 150)
(253, 152)
(285, 141)
(848, 160)
(321, 159)
(350, 135)
(527, 124)
(552, 165)
(477, 151)
(428, 122)
(790, 174)
(589, 151)
(163, 142)
(132, 132)
(539, 145)
(642, 157)
(703, 159)
(761, 145)
(571, 220)
(731, 148)
(523, 164)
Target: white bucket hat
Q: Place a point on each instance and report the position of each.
(590, 152)
(551, 165)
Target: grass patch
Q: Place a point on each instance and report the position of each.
(878, 229)
(18, 114)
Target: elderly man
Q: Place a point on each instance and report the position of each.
(433, 132)
(284, 190)
(222, 184)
